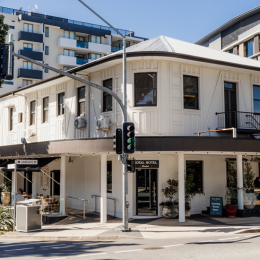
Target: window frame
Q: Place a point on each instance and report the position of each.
(29, 26)
(254, 99)
(197, 105)
(247, 49)
(11, 119)
(27, 48)
(156, 89)
(106, 95)
(32, 113)
(202, 170)
(46, 51)
(47, 31)
(59, 104)
(26, 80)
(20, 117)
(79, 101)
(27, 65)
(45, 110)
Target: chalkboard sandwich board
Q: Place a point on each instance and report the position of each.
(216, 204)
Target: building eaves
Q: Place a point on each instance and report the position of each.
(228, 24)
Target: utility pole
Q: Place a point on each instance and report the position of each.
(124, 204)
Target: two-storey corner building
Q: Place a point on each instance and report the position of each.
(59, 42)
(239, 36)
(175, 90)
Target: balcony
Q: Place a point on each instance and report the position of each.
(67, 61)
(31, 37)
(82, 44)
(35, 55)
(81, 61)
(29, 74)
(245, 122)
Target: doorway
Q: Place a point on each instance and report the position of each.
(230, 97)
(146, 192)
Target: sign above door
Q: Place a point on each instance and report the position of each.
(146, 164)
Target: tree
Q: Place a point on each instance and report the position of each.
(4, 28)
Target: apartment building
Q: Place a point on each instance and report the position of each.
(175, 89)
(239, 36)
(58, 42)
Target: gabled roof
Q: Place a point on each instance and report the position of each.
(163, 46)
(228, 24)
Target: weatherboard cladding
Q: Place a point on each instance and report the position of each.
(65, 25)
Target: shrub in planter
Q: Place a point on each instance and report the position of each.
(5, 194)
(6, 219)
(169, 208)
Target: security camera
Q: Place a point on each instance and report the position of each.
(23, 140)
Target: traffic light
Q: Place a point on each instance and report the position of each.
(128, 138)
(131, 165)
(6, 62)
(117, 141)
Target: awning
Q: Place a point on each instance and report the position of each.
(27, 168)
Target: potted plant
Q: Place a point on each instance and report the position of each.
(5, 194)
(248, 180)
(231, 191)
(169, 208)
(190, 189)
(6, 219)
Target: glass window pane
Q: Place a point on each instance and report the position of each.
(81, 108)
(256, 92)
(256, 106)
(250, 48)
(30, 65)
(194, 174)
(107, 98)
(189, 101)
(146, 89)
(190, 84)
(66, 52)
(190, 92)
(30, 28)
(81, 93)
(66, 34)
(72, 35)
(25, 27)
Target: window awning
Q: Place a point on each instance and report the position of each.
(27, 168)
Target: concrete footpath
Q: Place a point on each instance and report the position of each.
(75, 228)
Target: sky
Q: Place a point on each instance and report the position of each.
(187, 20)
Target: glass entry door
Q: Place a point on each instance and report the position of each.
(146, 192)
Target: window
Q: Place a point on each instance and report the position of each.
(27, 65)
(107, 98)
(26, 82)
(94, 39)
(256, 96)
(11, 27)
(69, 53)
(69, 35)
(11, 118)
(8, 82)
(61, 104)
(65, 68)
(46, 70)
(32, 112)
(94, 56)
(20, 118)
(190, 92)
(47, 31)
(194, 171)
(46, 50)
(28, 27)
(27, 46)
(146, 89)
(81, 101)
(80, 38)
(45, 111)
(249, 48)
(109, 177)
(230, 51)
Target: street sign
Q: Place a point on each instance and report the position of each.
(27, 162)
(11, 166)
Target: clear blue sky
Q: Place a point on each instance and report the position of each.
(187, 20)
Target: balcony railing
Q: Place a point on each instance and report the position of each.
(35, 55)
(245, 121)
(114, 49)
(44, 16)
(31, 37)
(82, 44)
(29, 74)
(81, 61)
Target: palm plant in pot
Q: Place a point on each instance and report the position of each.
(169, 208)
(231, 191)
(5, 193)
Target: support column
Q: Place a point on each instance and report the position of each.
(240, 203)
(103, 180)
(34, 184)
(14, 187)
(62, 184)
(181, 184)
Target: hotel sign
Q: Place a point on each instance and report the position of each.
(146, 164)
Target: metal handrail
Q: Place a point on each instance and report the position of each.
(84, 202)
(98, 196)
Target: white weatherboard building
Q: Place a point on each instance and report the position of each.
(59, 42)
(174, 90)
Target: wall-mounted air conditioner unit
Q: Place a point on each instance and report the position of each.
(103, 124)
(80, 122)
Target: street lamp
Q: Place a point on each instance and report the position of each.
(125, 214)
